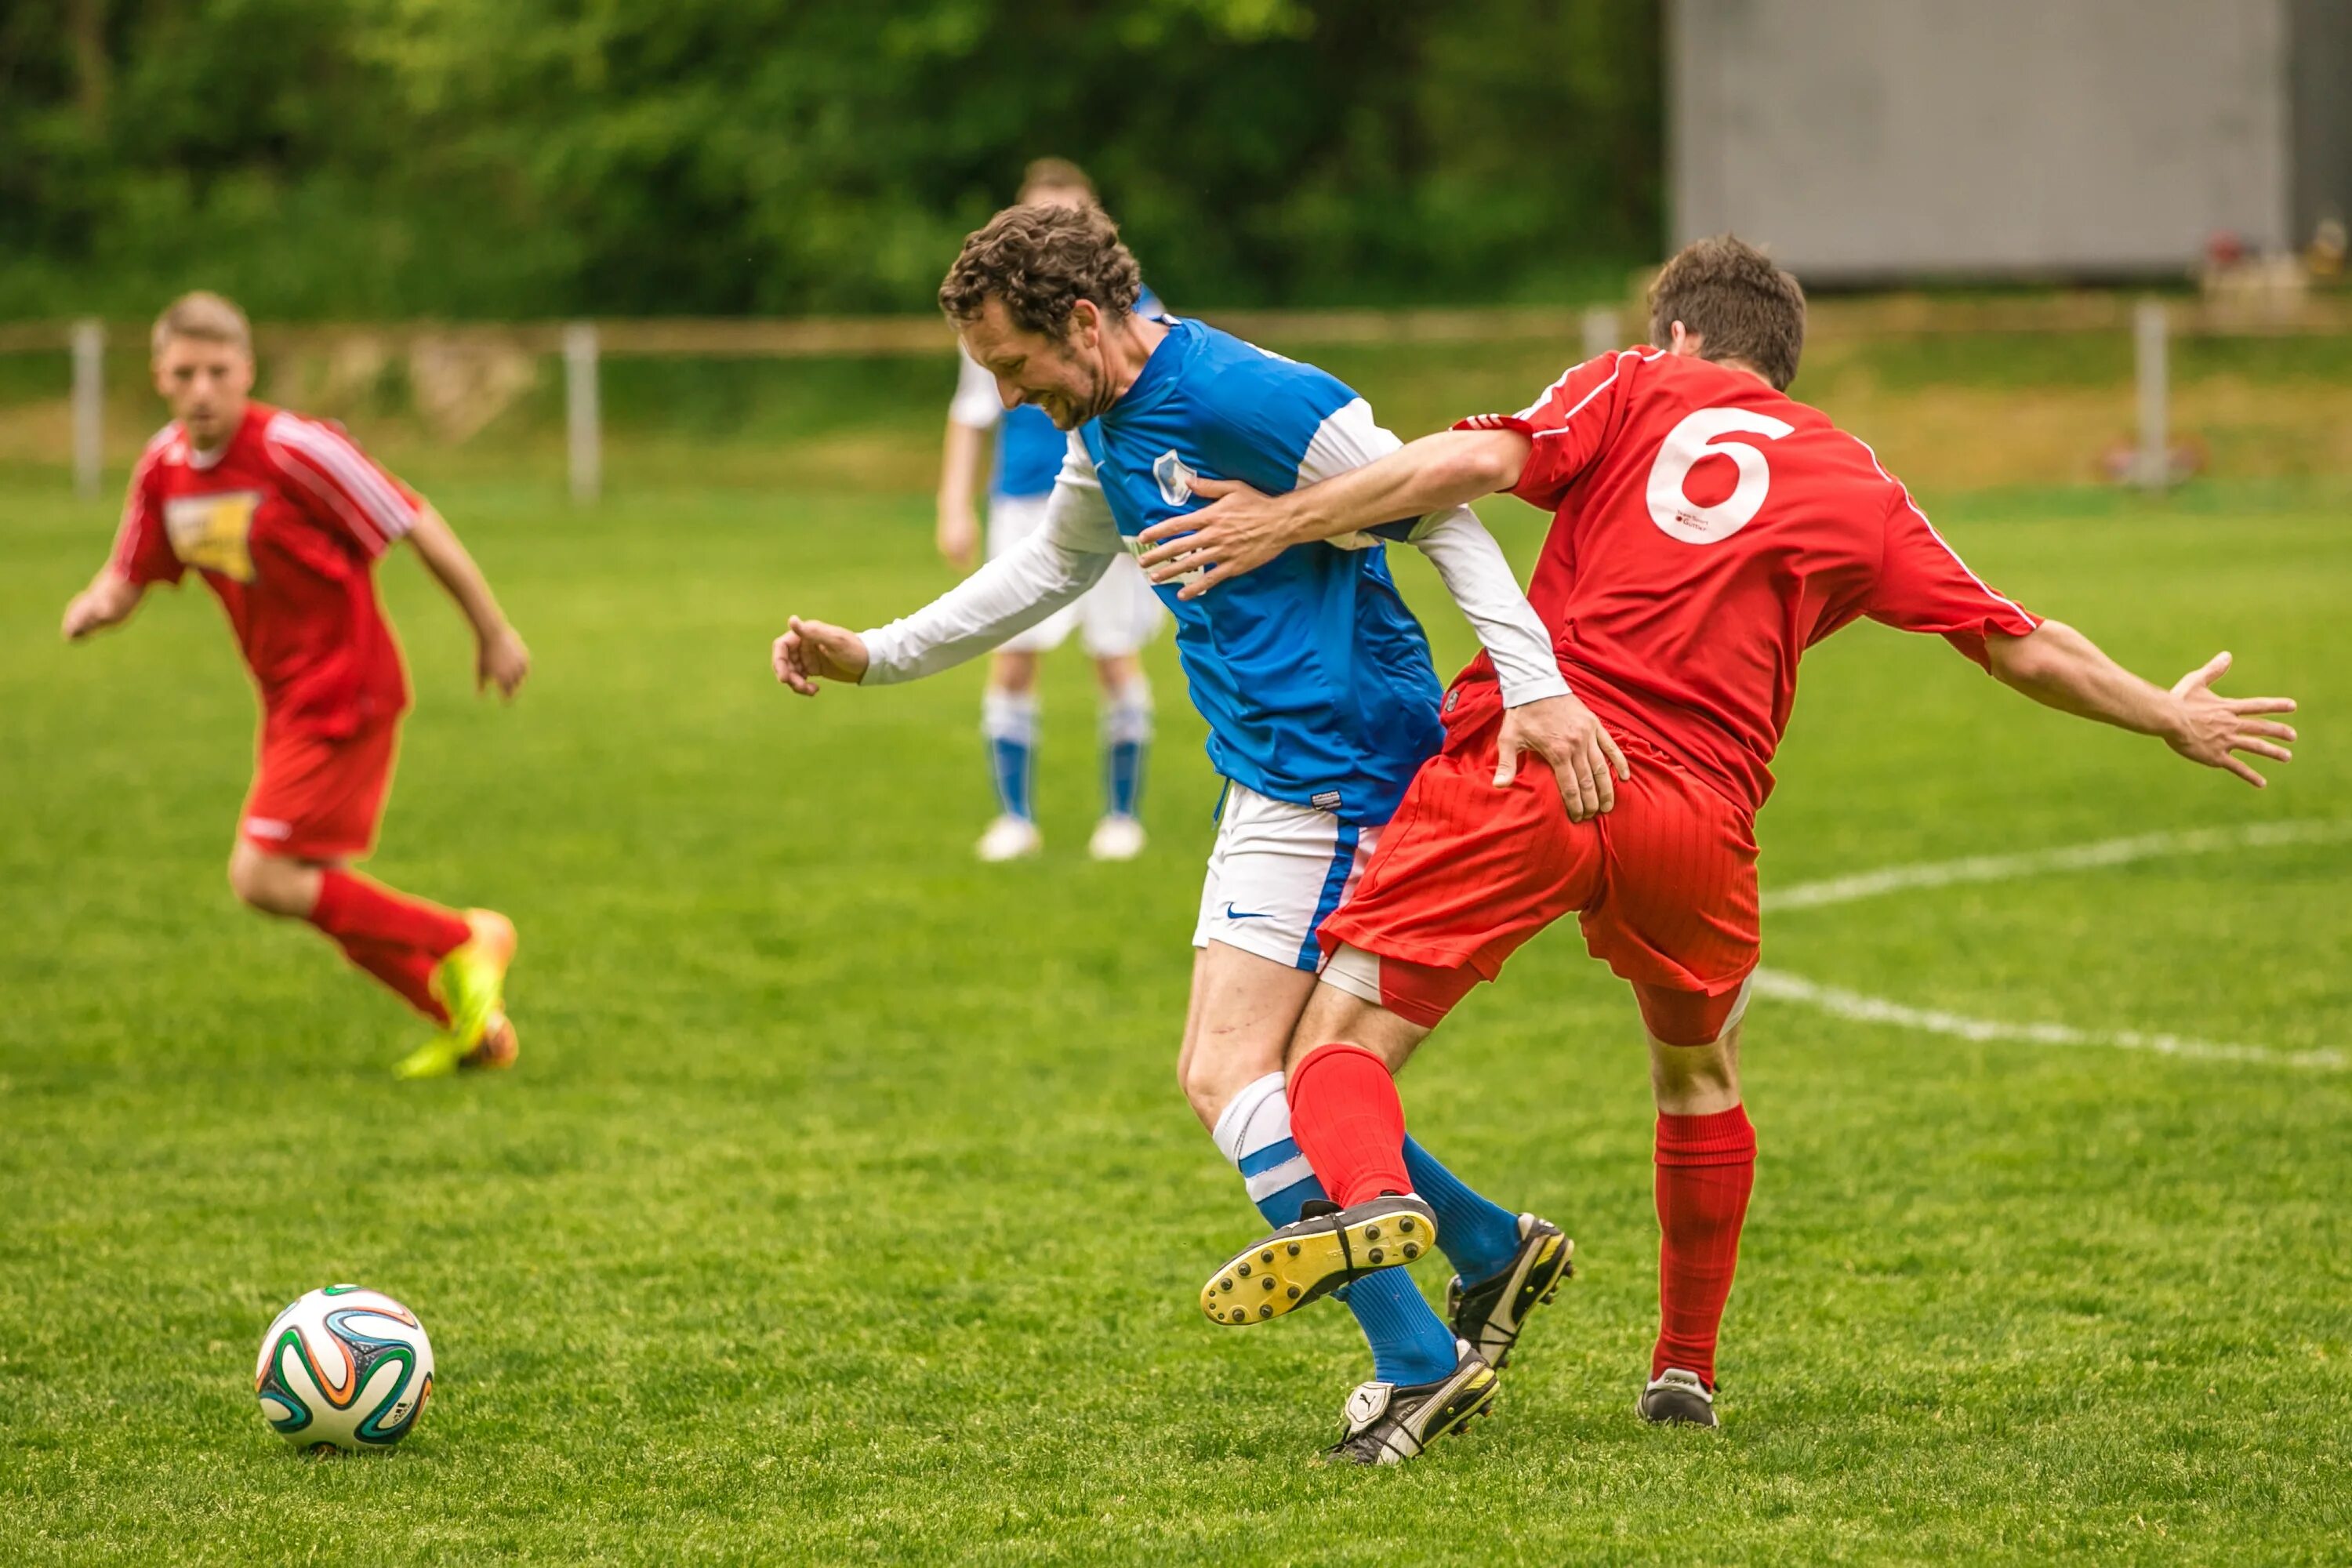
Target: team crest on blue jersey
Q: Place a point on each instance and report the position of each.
(1175, 478)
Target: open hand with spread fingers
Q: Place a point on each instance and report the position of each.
(1240, 530)
(2211, 729)
(812, 651)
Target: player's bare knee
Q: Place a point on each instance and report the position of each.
(1209, 1079)
(265, 882)
(1013, 672)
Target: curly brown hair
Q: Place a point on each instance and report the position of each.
(1739, 304)
(1041, 261)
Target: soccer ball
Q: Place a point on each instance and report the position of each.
(344, 1369)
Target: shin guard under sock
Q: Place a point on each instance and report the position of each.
(1409, 1343)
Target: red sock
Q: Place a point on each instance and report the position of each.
(395, 938)
(408, 970)
(350, 905)
(1706, 1167)
(1348, 1121)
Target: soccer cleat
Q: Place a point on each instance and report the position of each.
(1491, 1313)
(499, 1047)
(1677, 1398)
(1388, 1425)
(471, 983)
(1118, 836)
(1009, 837)
(1324, 1249)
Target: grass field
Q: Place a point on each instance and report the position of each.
(843, 1206)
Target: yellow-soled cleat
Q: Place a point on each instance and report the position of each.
(1323, 1249)
(471, 985)
(499, 1046)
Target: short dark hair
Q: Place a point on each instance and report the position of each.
(1041, 261)
(1739, 304)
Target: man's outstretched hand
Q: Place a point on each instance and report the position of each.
(2212, 729)
(1239, 531)
(1564, 733)
(814, 651)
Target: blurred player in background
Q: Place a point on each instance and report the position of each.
(1114, 618)
(1707, 530)
(1321, 702)
(284, 518)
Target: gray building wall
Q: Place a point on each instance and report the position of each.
(2321, 45)
(1873, 139)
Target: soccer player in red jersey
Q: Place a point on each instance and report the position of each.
(1707, 530)
(284, 518)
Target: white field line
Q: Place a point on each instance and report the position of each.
(2073, 857)
(1844, 1003)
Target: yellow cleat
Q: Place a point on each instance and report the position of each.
(499, 1048)
(471, 985)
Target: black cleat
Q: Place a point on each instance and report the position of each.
(1491, 1313)
(1388, 1425)
(1324, 1249)
(1677, 1398)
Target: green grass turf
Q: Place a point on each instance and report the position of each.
(843, 1206)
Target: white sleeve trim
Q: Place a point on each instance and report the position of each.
(1051, 568)
(1466, 555)
(1348, 439)
(1478, 576)
(336, 471)
(975, 404)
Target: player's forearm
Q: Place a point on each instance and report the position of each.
(960, 466)
(108, 602)
(2060, 668)
(1478, 576)
(451, 566)
(1007, 596)
(1436, 473)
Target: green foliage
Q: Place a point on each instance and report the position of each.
(530, 157)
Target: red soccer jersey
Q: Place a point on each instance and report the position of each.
(285, 522)
(1707, 530)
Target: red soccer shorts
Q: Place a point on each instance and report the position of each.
(314, 798)
(1663, 885)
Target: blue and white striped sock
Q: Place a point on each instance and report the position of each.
(1409, 1343)
(1008, 722)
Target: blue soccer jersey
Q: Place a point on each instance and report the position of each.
(1313, 675)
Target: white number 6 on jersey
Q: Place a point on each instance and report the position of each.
(1697, 437)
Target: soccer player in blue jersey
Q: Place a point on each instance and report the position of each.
(1113, 619)
(1321, 701)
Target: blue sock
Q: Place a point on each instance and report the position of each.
(1477, 1235)
(1008, 720)
(1410, 1343)
(1126, 739)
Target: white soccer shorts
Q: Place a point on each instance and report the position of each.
(1276, 871)
(1116, 616)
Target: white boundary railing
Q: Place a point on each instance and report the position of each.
(583, 346)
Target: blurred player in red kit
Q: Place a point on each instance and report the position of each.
(284, 518)
(1707, 530)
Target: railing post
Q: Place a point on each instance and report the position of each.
(2151, 330)
(582, 421)
(1599, 330)
(89, 405)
